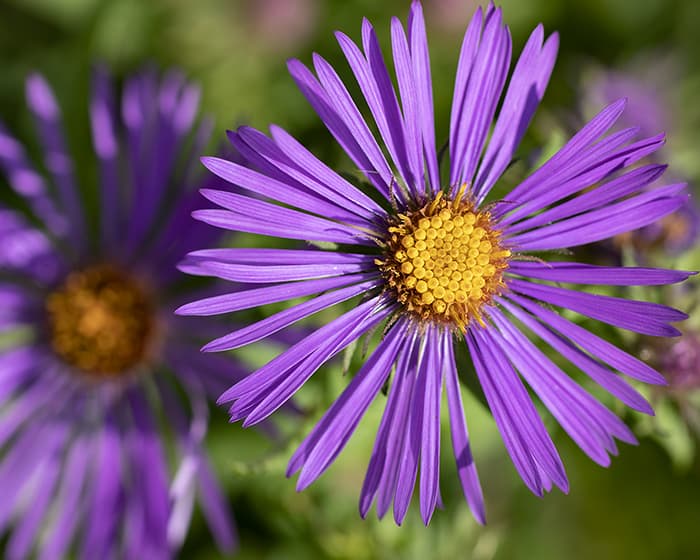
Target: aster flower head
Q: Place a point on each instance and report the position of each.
(435, 263)
(99, 363)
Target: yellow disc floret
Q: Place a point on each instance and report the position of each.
(100, 321)
(444, 261)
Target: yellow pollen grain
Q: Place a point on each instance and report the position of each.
(444, 261)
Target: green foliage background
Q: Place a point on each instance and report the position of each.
(646, 506)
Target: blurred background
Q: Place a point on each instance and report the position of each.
(645, 506)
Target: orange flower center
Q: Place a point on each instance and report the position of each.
(445, 260)
(100, 321)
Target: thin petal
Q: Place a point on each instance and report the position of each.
(246, 299)
(333, 431)
(382, 469)
(268, 375)
(524, 434)
(430, 437)
(47, 115)
(566, 156)
(321, 103)
(638, 316)
(481, 95)
(600, 374)
(525, 91)
(596, 346)
(466, 467)
(579, 273)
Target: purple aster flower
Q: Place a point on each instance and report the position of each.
(99, 365)
(680, 363)
(434, 265)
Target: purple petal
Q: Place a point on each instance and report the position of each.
(481, 94)
(70, 498)
(215, 508)
(24, 535)
(589, 423)
(524, 435)
(591, 166)
(30, 185)
(578, 273)
(424, 92)
(601, 375)
(149, 469)
(342, 102)
(17, 366)
(567, 155)
(106, 484)
(638, 316)
(106, 144)
(378, 91)
(382, 470)
(525, 91)
(278, 256)
(596, 346)
(317, 169)
(58, 161)
(245, 299)
(22, 460)
(280, 166)
(466, 467)
(251, 274)
(430, 437)
(596, 225)
(255, 216)
(617, 189)
(412, 439)
(334, 429)
(269, 374)
(27, 251)
(335, 123)
(157, 124)
(33, 402)
(265, 327)
(467, 56)
(409, 103)
(297, 376)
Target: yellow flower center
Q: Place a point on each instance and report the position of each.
(100, 321)
(444, 261)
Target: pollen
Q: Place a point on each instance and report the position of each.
(444, 261)
(101, 321)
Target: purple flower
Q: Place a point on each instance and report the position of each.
(437, 266)
(680, 363)
(647, 107)
(99, 367)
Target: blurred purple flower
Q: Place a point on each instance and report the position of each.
(438, 266)
(647, 106)
(103, 366)
(681, 363)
